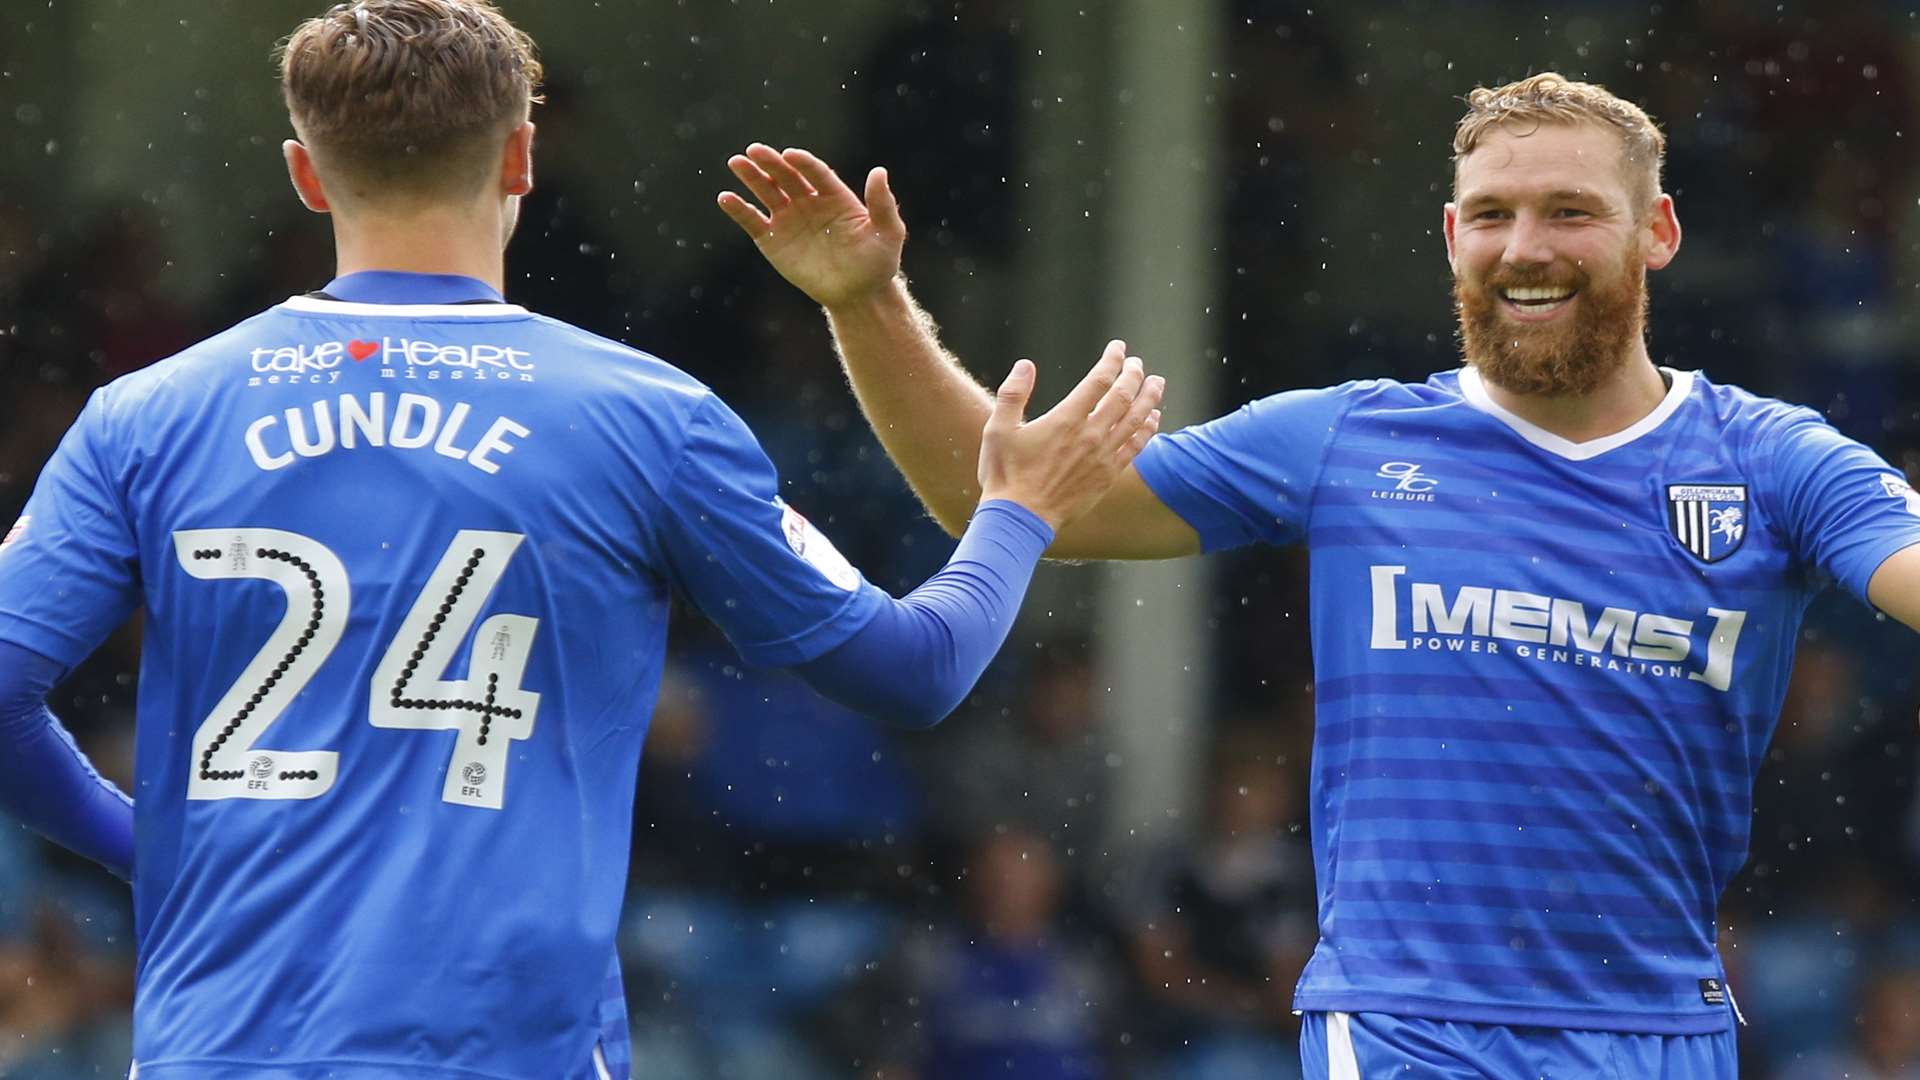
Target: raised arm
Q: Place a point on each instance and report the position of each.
(927, 411)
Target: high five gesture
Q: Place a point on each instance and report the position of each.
(930, 414)
(815, 230)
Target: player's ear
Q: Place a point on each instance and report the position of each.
(1449, 214)
(306, 179)
(516, 161)
(1663, 233)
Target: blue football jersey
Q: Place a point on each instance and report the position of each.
(1545, 676)
(406, 569)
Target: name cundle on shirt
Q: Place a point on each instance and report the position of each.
(406, 421)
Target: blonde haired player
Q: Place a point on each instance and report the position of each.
(1547, 663)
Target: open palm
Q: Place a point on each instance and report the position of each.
(815, 230)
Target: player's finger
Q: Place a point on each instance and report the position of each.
(751, 221)
(758, 182)
(1094, 384)
(1147, 403)
(818, 173)
(782, 172)
(881, 205)
(1141, 437)
(1119, 397)
(1010, 401)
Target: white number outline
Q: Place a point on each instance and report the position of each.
(489, 709)
(227, 764)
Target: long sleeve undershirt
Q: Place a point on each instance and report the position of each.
(917, 659)
(46, 783)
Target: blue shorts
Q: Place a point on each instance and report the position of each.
(1376, 1046)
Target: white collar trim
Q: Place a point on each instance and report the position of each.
(1475, 391)
(411, 311)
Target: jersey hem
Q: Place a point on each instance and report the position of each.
(1711, 1022)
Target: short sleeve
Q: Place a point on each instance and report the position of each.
(1248, 477)
(69, 569)
(1846, 510)
(760, 570)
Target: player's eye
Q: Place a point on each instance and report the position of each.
(1570, 212)
(1489, 215)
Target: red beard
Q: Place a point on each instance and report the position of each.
(1566, 358)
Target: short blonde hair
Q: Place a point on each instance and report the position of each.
(408, 97)
(1552, 98)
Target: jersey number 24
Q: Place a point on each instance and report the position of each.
(488, 708)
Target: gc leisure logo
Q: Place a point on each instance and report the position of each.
(1409, 483)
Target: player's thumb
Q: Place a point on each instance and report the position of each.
(1010, 402)
(881, 204)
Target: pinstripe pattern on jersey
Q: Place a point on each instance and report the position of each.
(1541, 702)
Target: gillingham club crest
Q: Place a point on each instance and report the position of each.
(1709, 520)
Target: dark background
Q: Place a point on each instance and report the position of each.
(876, 902)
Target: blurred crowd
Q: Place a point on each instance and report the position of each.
(815, 896)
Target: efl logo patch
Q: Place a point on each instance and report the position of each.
(19, 529)
(813, 546)
(1709, 520)
(1898, 488)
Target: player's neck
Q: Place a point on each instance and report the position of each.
(430, 242)
(1622, 401)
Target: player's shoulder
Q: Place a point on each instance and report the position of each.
(1742, 416)
(1382, 394)
(1330, 408)
(640, 371)
(187, 376)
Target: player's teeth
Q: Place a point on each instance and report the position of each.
(1538, 292)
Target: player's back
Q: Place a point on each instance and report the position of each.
(406, 611)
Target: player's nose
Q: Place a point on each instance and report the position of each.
(1527, 242)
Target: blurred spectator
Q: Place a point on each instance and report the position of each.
(1039, 765)
(1228, 924)
(1886, 1036)
(1004, 992)
(63, 1009)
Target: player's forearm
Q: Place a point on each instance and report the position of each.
(921, 655)
(926, 409)
(45, 782)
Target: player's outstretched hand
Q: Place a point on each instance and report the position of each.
(815, 230)
(1060, 465)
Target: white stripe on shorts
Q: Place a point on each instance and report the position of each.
(1341, 1064)
(600, 1063)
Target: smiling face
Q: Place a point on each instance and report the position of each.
(1550, 254)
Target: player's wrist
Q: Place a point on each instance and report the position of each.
(1048, 514)
(882, 299)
